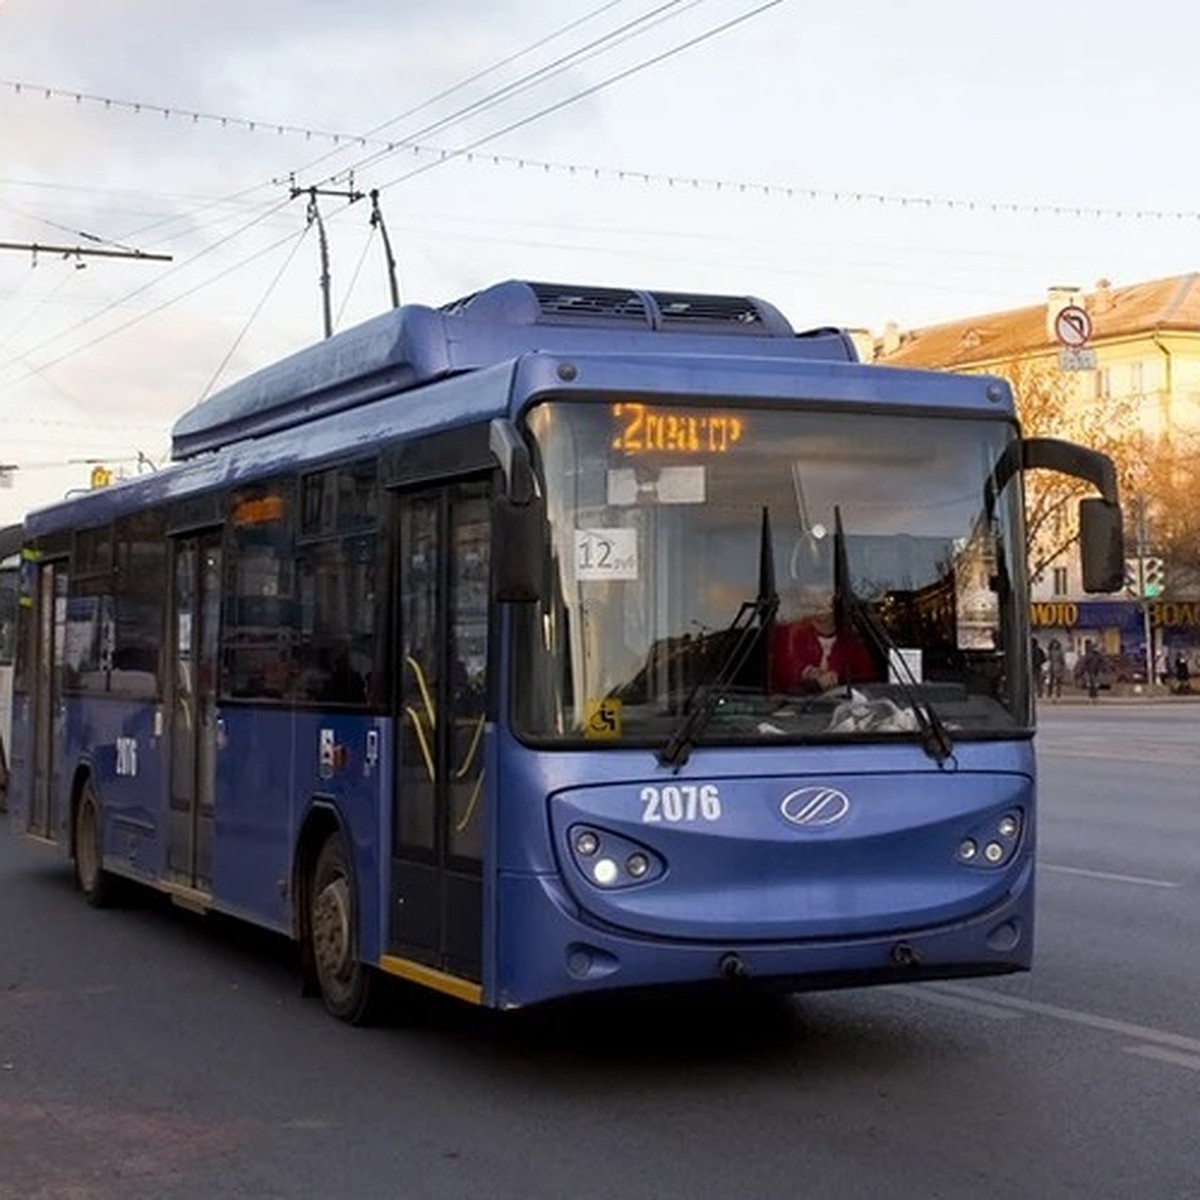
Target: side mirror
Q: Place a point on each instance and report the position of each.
(518, 550)
(1101, 545)
(518, 520)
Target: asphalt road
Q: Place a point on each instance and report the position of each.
(145, 1052)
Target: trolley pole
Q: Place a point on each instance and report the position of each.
(377, 220)
(313, 215)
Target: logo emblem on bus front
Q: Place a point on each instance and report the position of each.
(814, 806)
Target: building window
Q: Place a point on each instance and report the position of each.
(1060, 581)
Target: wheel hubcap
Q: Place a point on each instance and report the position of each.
(331, 932)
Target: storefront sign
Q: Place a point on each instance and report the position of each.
(1114, 614)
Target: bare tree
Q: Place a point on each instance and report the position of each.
(1049, 404)
(1172, 467)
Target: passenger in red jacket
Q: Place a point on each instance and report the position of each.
(813, 655)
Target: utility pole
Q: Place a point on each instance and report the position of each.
(313, 215)
(1147, 632)
(377, 220)
(36, 248)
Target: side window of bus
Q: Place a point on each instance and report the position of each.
(8, 616)
(258, 632)
(90, 634)
(337, 574)
(141, 589)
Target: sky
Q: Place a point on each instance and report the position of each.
(853, 164)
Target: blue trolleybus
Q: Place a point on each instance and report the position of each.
(10, 546)
(469, 646)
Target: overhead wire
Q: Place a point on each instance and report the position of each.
(445, 93)
(273, 209)
(845, 195)
(83, 234)
(191, 291)
(601, 45)
(175, 269)
(138, 106)
(237, 341)
(362, 258)
(32, 307)
(558, 105)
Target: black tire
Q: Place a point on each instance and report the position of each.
(349, 988)
(91, 878)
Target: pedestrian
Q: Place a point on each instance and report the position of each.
(1056, 664)
(1183, 676)
(1162, 666)
(1039, 667)
(1091, 669)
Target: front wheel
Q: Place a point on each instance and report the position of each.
(348, 987)
(90, 876)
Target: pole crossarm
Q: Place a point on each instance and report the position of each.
(36, 248)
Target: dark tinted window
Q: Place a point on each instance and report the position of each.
(141, 589)
(335, 648)
(260, 594)
(90, 634)
(338, 572)
(8, 616)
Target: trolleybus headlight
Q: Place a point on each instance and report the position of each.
(612, 860)
(636, 866)
(605, 872)
(993, 842)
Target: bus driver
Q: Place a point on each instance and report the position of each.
(812, 654)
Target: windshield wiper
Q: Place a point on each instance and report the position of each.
(935, 737)
(734, 648)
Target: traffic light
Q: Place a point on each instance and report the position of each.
(101, 476)
(1153, 577)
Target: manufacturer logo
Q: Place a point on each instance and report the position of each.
(814, 806)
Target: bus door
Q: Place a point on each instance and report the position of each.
(47, 709)
(441, 669)
(193, 728)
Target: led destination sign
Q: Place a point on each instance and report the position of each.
(643, 429)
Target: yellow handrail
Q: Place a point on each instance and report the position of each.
(425, 696)
(415, 717)
(466, 763)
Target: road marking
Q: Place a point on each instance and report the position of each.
(974, 1008)
(1139, 1033)
(1191, 1061)
(1166, 756)
(1110, 876)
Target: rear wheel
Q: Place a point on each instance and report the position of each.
(348, 987)
(93, 881)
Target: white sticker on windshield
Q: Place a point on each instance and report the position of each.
(671, 485)
(606, 554)
(681, 485)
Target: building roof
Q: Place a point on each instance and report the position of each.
(1160, 305)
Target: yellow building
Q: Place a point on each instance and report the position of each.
(1138, 344)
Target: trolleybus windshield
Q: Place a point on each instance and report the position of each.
(655, 542)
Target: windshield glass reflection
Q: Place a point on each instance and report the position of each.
(656, 545)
